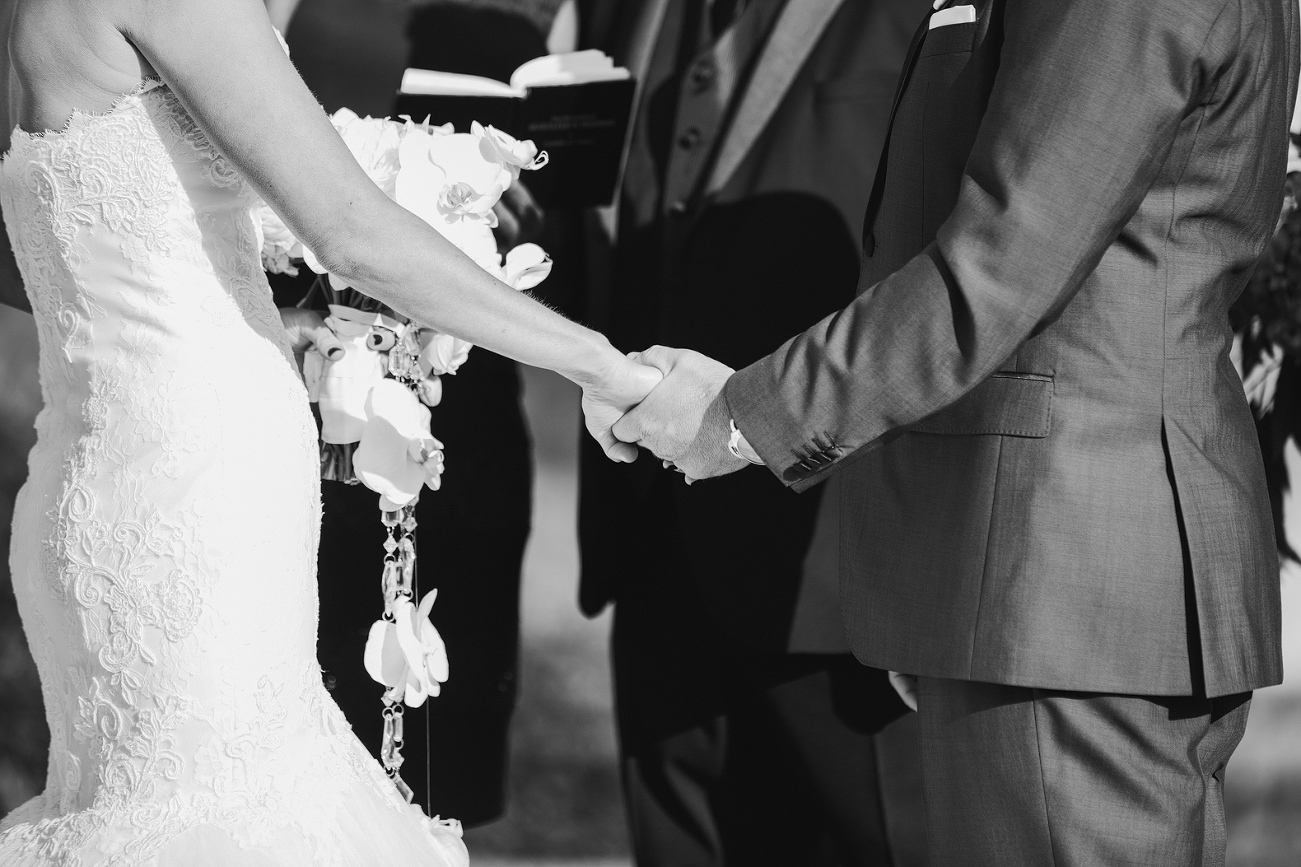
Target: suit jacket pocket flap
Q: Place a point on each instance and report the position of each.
(1006, 404)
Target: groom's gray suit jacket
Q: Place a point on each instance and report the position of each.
(1050, 475)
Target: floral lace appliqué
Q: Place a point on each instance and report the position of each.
(164, 546)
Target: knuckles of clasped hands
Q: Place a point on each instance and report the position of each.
(683, 420)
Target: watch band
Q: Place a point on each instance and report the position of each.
(739, 447)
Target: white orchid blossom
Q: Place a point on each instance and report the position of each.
(503, 147)
(408, 655)
(397, 455)
(452, 181)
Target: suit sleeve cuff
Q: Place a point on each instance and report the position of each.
(752, 398)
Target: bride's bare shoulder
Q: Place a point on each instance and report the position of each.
(68, 55)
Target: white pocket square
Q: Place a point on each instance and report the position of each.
(953, 15)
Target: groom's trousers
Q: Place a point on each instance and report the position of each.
(1018, 776)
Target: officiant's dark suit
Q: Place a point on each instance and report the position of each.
(1053, 504)
(745, 724)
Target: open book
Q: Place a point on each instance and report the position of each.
(573, 106)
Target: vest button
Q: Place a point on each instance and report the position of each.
(678, 208)
(689, 139)
(702, 75)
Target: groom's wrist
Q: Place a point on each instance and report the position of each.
(739, 446)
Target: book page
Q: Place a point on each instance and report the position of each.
(429, 82)
(576, 67)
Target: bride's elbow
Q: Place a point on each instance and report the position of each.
(353, 253)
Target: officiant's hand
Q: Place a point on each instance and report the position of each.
(306, 330)
(520, 220)
(684, 421)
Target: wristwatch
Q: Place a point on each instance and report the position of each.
(739, 447)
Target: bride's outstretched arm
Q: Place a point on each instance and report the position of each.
(223, 61)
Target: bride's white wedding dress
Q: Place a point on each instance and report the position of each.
(164, 545)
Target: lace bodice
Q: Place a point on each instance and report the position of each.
(164, 546)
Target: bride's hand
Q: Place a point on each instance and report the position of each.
(625, 385)
(306, 330)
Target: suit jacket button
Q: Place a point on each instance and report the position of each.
(678, 208)
(689, 139)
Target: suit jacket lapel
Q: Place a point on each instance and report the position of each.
(793, 38)
(641, 45)
(878, 185)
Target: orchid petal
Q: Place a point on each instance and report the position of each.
(526, 266)
(310, 260)
(416, 693)
(461, 156)
(424, 652)
(384, 660)
(442, 353)
(419, 180)
(382, 460)
(346, 382)
(430, 390)
(433, 650)
(427, 604)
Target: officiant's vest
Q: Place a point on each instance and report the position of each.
(730, 269)
(700, 64)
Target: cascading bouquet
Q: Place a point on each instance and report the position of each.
(374, 401)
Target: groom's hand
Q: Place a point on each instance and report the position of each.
(684, 419)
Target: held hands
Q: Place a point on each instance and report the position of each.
(626, 384)
(684, 421)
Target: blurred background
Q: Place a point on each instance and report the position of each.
(565, 806)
